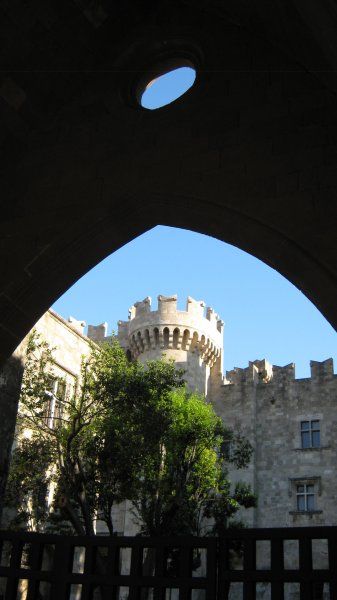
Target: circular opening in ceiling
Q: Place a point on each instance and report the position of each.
(167, 87)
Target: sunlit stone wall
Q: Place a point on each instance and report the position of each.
(193, 338)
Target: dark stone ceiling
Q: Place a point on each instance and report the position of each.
(249, 155)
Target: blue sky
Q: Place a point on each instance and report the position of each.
(167, 88)
(265, 315)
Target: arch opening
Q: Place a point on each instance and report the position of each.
(186, 337)
(147, 338)
(166, 337)
(156, 336)
(176, 334)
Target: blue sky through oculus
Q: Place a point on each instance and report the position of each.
(168, 87)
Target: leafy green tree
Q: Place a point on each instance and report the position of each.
(28, 483)
(129, 431)
(183, 481)
(89, 449)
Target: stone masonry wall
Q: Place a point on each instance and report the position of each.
(268, 404)
(69, 343)
(270, 414)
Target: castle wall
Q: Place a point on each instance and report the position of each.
(236, 405)
(67, 339)
(270, 414)
(69, 344)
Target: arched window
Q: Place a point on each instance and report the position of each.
(186, 337)
(176, 334)
(194, 342)
(147, 338)
(156, 336)
(166, 336)
(140, 341)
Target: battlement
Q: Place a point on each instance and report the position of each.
(261, 371)
(196, 329)
(76, 324)
(167, 308)
(98, 333)
(321, 369)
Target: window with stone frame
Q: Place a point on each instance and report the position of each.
(56, 393)
(305, 497)
(305, 492)
(310, 434)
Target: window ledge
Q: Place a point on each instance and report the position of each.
(312, 449)
(305, 512)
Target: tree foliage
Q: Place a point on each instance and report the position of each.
(128, 431)
(185, 477)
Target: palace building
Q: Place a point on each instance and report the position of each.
(291, 423)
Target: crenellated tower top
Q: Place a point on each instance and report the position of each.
(193, 338)
(169, 328)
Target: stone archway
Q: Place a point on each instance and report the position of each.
(248, 155)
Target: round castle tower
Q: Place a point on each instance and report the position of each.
(192, 338)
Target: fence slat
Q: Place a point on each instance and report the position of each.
(249, 565)
(305, 564)
(223, 582)
(13, 579)
(159, 592)
(35, 556)
(87, 591)
(332, 550)
(185, 564)
(135, 572)
(211, 569)
(277, 567)
(63, 558)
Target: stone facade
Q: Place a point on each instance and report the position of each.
(265, 401)
(67, 338)
(68, 342)
(291, 423)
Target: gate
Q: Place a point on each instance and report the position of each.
(246, 564)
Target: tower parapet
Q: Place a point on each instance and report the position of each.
(98, 333)
(169, 328)
(321, 369)
(192, 337)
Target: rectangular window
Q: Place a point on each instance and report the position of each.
(310, 434)
(61, 394)
(305, 494)
(55, 395)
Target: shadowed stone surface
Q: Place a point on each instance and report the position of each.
(248, 155)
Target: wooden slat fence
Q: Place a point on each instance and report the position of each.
(248, 564)
(278, 564)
